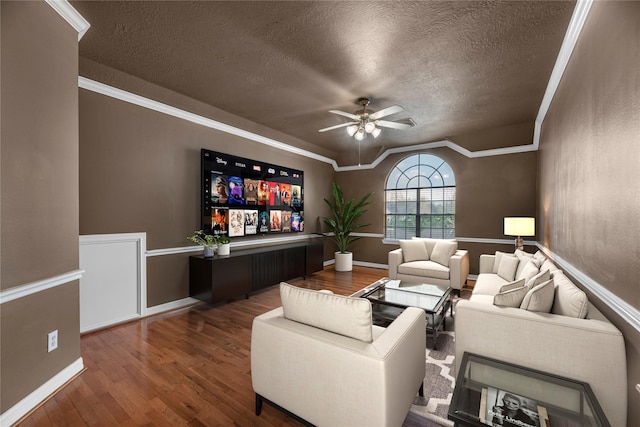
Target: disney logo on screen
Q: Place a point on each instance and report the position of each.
(241, 165)
(219, 160)
(271, 170)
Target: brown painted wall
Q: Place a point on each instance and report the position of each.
(140, 172)
(39, 198)
(487, 190)
(589, 165)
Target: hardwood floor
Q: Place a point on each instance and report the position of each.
(189, 367)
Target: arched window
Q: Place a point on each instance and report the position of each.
(420, 199)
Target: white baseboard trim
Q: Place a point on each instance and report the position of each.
(185, 302)
(39, 395)
(371, 264)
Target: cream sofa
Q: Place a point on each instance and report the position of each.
(549, 326)
(320, 358)
(434, 261)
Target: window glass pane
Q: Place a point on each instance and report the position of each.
(421, 188)
(408, 163)
(392, 181)
(449, 207)
(447, 175)
(437, 233)
(449, 233)
(403, 181)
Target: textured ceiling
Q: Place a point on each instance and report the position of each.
(457, 67)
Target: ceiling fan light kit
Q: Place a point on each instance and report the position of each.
(368, 122)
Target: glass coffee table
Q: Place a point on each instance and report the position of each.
(390, 297)
(484, 385)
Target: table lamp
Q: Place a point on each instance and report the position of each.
(519, 226)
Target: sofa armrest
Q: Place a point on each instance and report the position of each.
(486, 263)
(459, 268)
(395, 259)
(566, 346)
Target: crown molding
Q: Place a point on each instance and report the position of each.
(576, 23)
(141, 101)
(64, 9)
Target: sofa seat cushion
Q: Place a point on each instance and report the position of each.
(488, 284)
(351, 317)
(424, 269)
(481, 298)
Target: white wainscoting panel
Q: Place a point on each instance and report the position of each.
(113, 288)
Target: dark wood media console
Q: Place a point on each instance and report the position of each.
(243, 271)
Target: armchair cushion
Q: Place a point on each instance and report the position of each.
(342, 315)
(424, 269)
(414, 250)
(443, 251)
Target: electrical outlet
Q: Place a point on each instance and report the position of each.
(638, 388)
(52, 341)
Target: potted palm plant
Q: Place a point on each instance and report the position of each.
(343, 223)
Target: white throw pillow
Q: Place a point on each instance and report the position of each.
(342, 315)
(513, 285)
(524, 258)
(443, 251)
(528, 271)
(570, 300)
(512, 298)
(539, 278)
(539, 298)
(413, 250)
(499, 256)
(507, 268)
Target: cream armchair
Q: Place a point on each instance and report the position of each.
(434, 261)
(319, 357)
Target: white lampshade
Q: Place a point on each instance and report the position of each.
(519, 226)
(359, 134)
(376, 132)
(370, 127)
(351, 130)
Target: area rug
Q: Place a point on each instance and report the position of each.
(440, 376)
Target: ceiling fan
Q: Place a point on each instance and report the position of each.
(366, 121)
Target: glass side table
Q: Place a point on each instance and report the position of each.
(495, 393)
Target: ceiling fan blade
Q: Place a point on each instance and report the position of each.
(341, 125)
(342, 113)
(395, 125)
(386, 112)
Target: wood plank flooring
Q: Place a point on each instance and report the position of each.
(189, 367)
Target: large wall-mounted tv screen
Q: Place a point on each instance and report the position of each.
(244, 197)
